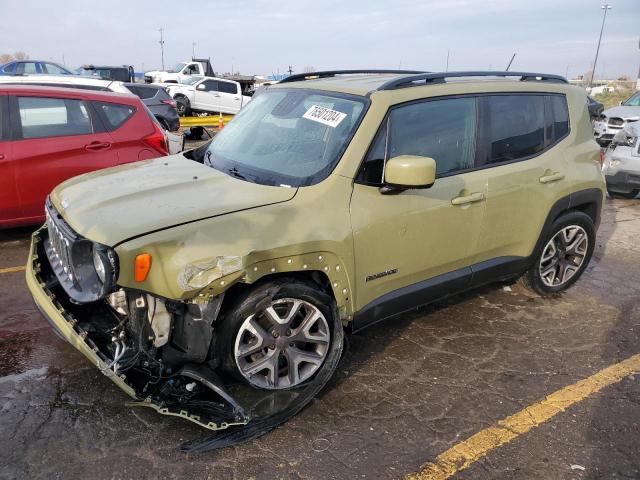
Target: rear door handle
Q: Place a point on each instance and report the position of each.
(472, 198)
(95, 146)
(1, 156)
(552, 177)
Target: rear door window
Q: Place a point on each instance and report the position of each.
(52, 68)
(227, 87)
(115, 114)
(53, 117)
(513, 127)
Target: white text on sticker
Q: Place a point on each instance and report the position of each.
(324, 115)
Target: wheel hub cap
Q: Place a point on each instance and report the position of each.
(563, 255)
(282, 345)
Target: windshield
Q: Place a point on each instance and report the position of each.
(178, 68)
(191, 80)
(634, 101)
(287, 137)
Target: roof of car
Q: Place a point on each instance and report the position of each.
(69, 93)
(366, 83)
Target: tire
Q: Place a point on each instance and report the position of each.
(632, 194)
(183, 106)
(555, 268)
(290, 353)
(196, 133)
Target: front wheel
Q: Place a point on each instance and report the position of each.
(279, 335)
(565, 253)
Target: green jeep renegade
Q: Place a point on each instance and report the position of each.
(203, 281)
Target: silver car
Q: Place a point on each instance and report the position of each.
(614, 119)
(622, 162)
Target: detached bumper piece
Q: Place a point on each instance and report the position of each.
(193, 393)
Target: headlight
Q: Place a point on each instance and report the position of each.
(99, 265)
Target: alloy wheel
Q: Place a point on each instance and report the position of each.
(283, 344)
(563, 255)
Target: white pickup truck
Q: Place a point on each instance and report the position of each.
(208, 94)
(196, 67)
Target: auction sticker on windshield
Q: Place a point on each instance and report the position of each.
(324, 115)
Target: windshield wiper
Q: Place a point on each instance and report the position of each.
(234, 171)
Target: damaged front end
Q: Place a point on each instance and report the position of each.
(158, 351)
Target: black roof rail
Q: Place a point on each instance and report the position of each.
(332, 73)
(440, 77)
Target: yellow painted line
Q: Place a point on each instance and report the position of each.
(12, 269)
(464, 454)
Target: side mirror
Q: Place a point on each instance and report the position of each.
(202, 87)
(409, 171)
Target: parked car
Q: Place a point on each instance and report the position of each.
(154, 97)
(198, 67)
(22, 67)
(159, 102)
(208, 94)
(121, 73)
(214, 291)
(595, 108)
(614, 119)
(52, 134)
(622, 162)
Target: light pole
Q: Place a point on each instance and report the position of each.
(193, 50)
(604, 7)
(162, 47)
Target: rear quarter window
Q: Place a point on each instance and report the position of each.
(115, 114)
(557, 114)
(144, 93)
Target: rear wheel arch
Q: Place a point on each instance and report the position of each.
(588, 201)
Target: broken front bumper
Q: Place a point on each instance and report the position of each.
(67, 326)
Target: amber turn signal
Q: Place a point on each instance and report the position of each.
(142, 267)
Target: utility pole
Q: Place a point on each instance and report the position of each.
(290, 70)
(447, 67)
(193, 50)
(604, 7)
(162, 47)
(510, 62)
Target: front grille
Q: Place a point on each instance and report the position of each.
(58, 248)
(614, 121)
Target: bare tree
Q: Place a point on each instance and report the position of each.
(5, 57)
(20, 56)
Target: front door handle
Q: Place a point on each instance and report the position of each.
(1, 156)
(471, 198)
(95, 146)
(551, 177)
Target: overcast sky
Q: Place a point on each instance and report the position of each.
(261, 37)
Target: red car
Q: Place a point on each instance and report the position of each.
(49, 134)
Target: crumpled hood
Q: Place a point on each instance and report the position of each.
(113, 205)
(622, 112)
